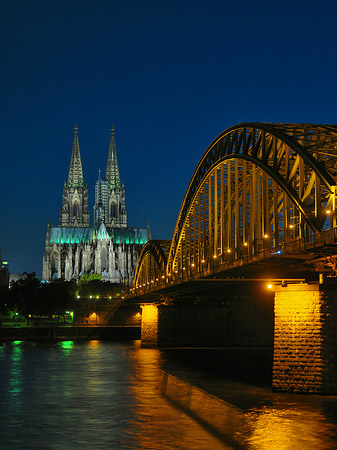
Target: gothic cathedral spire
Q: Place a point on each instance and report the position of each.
(100, 196)
(75, 204)
(111, 192)
(112, 172)
(75, 177)
(116, 191)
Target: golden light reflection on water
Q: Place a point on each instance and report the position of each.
(286, 429)
(89, 393)
(214, 423)
(158, 424)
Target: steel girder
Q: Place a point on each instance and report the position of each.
(152, 264)
(256, 185)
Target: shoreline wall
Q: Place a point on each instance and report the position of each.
(50, 333)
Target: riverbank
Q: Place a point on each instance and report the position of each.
(50, 333)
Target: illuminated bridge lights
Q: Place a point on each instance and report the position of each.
(259, 186)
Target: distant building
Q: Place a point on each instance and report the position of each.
(16, 277)
(3, 264)
(110, 247)
(4, 273)
(4, 277)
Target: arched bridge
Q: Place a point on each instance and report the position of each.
(260, 190)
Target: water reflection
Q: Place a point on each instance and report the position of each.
(235, 414)
(158, 423)
(284, 429)
(66, 345)
(15, 380)
(105, 395)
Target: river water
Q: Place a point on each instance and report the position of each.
(109, 395)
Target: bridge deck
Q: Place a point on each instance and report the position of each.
(301, 259)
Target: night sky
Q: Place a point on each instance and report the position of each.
(170, 76)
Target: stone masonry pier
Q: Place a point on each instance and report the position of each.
(305, 344)
(303, 329)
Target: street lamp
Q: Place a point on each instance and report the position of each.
(94, 317)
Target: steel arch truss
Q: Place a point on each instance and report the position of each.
(151, 265)
(256, 186)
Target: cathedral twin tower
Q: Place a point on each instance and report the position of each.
(109, 196)
(109, 248)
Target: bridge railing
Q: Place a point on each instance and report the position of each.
(302, 245)
(311, 242)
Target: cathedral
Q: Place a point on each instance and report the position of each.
(109, 247)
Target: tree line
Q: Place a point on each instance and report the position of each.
(28, 297)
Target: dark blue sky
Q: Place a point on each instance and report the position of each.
(170, 75)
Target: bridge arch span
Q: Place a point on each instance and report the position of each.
(152, 263)
(257, 185)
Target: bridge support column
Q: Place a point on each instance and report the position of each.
(305, 339)
(149, 336)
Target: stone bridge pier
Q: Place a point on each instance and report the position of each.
(305, 339)
(302, 328)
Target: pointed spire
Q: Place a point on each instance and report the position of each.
(75, 177)
(149, 238)
(99, 189)
(112, 172)
(100, 197)
(99, 210)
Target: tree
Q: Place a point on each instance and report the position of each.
(29, 298)
(23, 295)
(56, 298)
(96, 287)
(87, 277)
(4, 300)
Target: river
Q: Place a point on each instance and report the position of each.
(115, 395)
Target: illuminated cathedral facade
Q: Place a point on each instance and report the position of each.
(109, 247)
